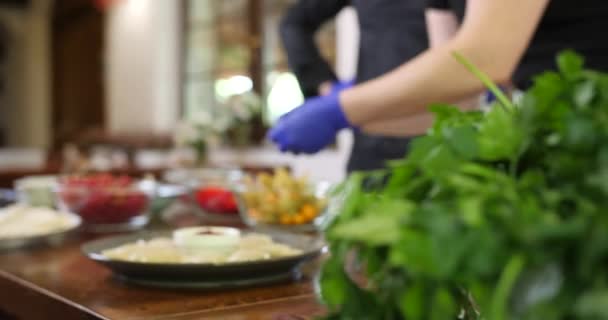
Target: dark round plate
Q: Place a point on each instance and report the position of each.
(214, 284)
(205, 275)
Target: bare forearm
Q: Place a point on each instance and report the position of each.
(441, 26)
(435, 76)
(401, 127)
(413, 125)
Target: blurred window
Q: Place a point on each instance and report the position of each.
(233, 47)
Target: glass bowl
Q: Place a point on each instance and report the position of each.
(107, 207)
(214, 198)
(193, 177)
(264, 209)
(210, 191)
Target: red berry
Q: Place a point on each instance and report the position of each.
(103, 198)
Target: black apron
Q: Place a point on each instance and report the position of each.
(392, 32)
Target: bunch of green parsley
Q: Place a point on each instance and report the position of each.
(500, 215)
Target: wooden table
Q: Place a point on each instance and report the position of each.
(60, 283)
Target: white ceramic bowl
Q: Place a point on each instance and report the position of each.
(207, 238)
(36, 190)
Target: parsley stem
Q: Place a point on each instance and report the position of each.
(513, 162)
(508, 278)
(485, 79)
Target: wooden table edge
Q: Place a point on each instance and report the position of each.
(46, 293)
(229, 308)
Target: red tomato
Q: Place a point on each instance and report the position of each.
(216, 200)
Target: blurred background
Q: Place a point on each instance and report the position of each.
(132, 84)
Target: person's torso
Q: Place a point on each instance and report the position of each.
(391, 33)
(566, 24)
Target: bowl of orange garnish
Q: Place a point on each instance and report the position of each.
(280, 200)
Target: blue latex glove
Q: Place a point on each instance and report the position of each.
(489, 97)
(338, 86)
(310, 127)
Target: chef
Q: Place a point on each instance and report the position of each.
(392, 32)
(510, 40)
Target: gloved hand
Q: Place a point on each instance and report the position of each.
(310, 127)
(489, 97)
(334, 87)
(338, 86)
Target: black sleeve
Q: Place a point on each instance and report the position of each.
(438, 4)
(297, 31)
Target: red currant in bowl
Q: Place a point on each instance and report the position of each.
(106, 202)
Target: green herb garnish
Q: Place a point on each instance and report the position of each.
(494, 216)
